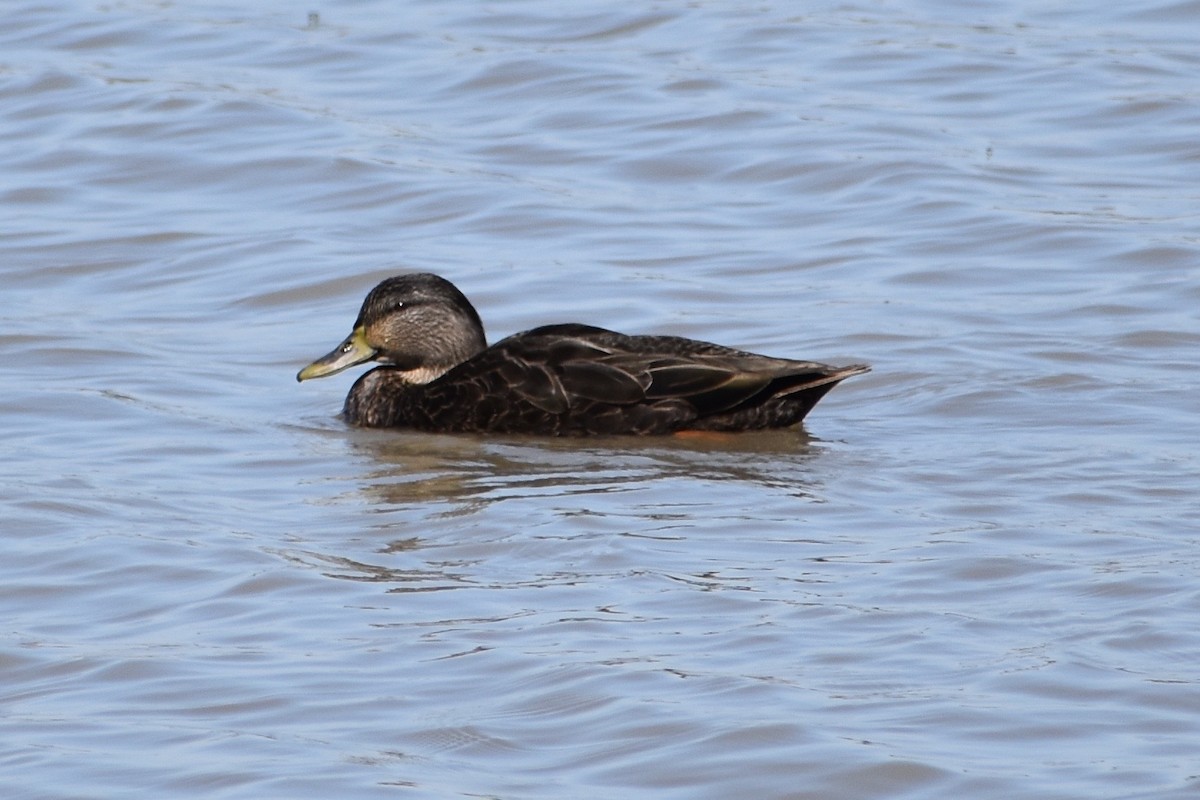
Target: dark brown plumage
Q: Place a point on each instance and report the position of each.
(439, 375)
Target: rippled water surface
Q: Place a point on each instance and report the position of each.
(973, 573)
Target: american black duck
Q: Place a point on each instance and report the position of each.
(438, 374)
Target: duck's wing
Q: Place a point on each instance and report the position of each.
(558, 367)
(577, 379)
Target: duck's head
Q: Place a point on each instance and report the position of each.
(420, 324)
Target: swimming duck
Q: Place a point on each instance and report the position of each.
(438, 374)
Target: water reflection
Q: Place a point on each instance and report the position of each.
(350, 569)
(555, 503)
(467, 474)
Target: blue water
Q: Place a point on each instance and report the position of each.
(973, 573)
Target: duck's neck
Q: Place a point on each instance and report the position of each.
(425, 374)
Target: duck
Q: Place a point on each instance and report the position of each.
(437, 373)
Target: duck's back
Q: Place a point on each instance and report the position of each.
(577, 380)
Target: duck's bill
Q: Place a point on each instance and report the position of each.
(354, 350)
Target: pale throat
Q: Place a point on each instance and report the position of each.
(424, 374)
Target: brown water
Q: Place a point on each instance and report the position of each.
(973, 574)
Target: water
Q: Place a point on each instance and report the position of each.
(972, 574)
